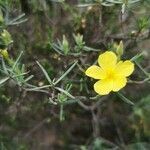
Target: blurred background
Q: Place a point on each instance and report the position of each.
(46, 101)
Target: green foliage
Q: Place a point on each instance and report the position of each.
(46, 101)
(7, 144)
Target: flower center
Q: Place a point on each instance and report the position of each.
(110, 75)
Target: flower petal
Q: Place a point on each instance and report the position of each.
(107, 60)
(103, 87)
(95, 72)
(119, 83)
(124, 68)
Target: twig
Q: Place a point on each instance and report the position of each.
(139, 82)
(95, 123)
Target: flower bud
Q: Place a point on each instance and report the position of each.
(119, 49)
(4, 53)
(79, 40)
(65, 45)
(6, 37)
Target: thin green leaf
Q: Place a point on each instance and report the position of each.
(18, 22)
(134, 1)
(4, 67)
(115, 1)
(136, 57)
(107, 4)
(61, 115)
(65, 92)
(58, 50)
(124, 98)
(29, 78)
(85, 5)
(45, 73)
(4, 80)
(38, 88)
(16, 62)
(68, 71)
(142, 69)
(88, 49)
(18, 75)
(18, 18)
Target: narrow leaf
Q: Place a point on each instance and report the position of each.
(16, 62)
(65, 92)
(136, 57)
(68, 71)
(45, 73)
(3, 80)
(124, 98)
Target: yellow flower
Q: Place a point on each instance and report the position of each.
(112, 75)
(4, 53)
